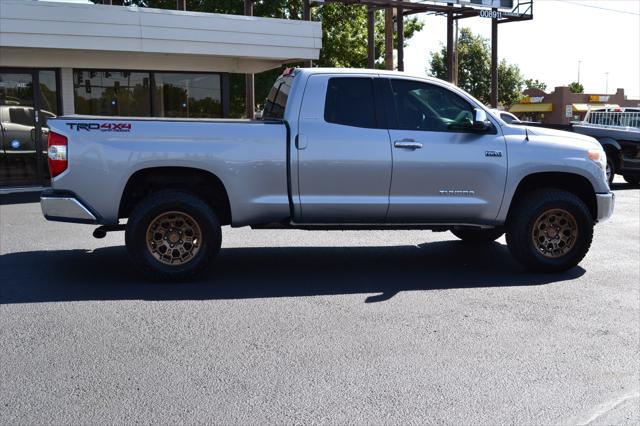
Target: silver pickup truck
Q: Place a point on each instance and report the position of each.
(335, 149)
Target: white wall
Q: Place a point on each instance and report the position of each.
(86, 35)
(66, 91)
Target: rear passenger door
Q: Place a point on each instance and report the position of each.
(344, 151)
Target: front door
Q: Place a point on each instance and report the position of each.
(27, 99)
(443, 171)
(344, 155)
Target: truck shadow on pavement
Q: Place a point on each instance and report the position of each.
(239, 273)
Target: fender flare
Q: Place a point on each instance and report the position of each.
(610, 142)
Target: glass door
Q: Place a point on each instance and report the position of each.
(23, 128)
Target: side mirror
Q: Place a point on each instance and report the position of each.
(480, 121)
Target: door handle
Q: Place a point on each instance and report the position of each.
(301, 142)
(407, 144)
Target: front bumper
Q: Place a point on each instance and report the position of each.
(605, 206)
(65, 207)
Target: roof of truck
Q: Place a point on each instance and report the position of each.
(366, 71)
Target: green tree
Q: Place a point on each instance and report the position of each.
(510, 83)
(530, 83)
(474, 64)
(474, 69)
(576, 87)
(344, 35)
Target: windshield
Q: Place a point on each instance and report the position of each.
(276, 102)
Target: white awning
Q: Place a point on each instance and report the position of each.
(52, 34)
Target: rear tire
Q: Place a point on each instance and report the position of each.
(550, 230)
(172, 236)
(632, 179)
(478, 235)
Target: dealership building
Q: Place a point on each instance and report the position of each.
(82, 58)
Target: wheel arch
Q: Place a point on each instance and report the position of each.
(570, 182)
(611, 145)
(202, 183)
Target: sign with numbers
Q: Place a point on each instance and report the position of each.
(485, 4)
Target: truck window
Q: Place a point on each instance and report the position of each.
(21, 116)
(349, 101)
(276, 102)
(421, 106)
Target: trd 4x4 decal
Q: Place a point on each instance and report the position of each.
(102, 127)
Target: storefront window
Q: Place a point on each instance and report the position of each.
(24, 95)
(121, 93)
(48, 93)
(187, 95)
(134, 93)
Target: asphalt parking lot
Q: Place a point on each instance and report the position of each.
(326, 327)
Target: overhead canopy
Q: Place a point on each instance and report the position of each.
(593, 107)
(543, 107)
(48, 34)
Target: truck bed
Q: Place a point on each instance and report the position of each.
(249, 157)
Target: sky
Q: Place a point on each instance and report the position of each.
(549, 47)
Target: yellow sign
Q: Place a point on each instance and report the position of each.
(532, 99)
(598, 98)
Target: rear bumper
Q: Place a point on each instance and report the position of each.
(65, 207)
(605, 206)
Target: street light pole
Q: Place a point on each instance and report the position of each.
(579, 62)
(606, 84)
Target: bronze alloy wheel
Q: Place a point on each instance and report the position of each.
(554, 233)
(174, 238)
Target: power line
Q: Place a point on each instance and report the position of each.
(599, 7)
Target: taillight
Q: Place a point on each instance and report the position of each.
(57, 153)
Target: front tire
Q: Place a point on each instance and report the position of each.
(172, 236)
(550, 230)
(478, 235)
(611, 168)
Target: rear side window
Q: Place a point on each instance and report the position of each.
(350, 102)
(22, 116)
(277, 99)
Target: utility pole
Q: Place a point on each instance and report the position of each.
(371, 47)
(450, 47)
(306, 15)
(606, 84)
(249, 99)
(455, 53)
(388, 38)
(400, 30)
(494, 61)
